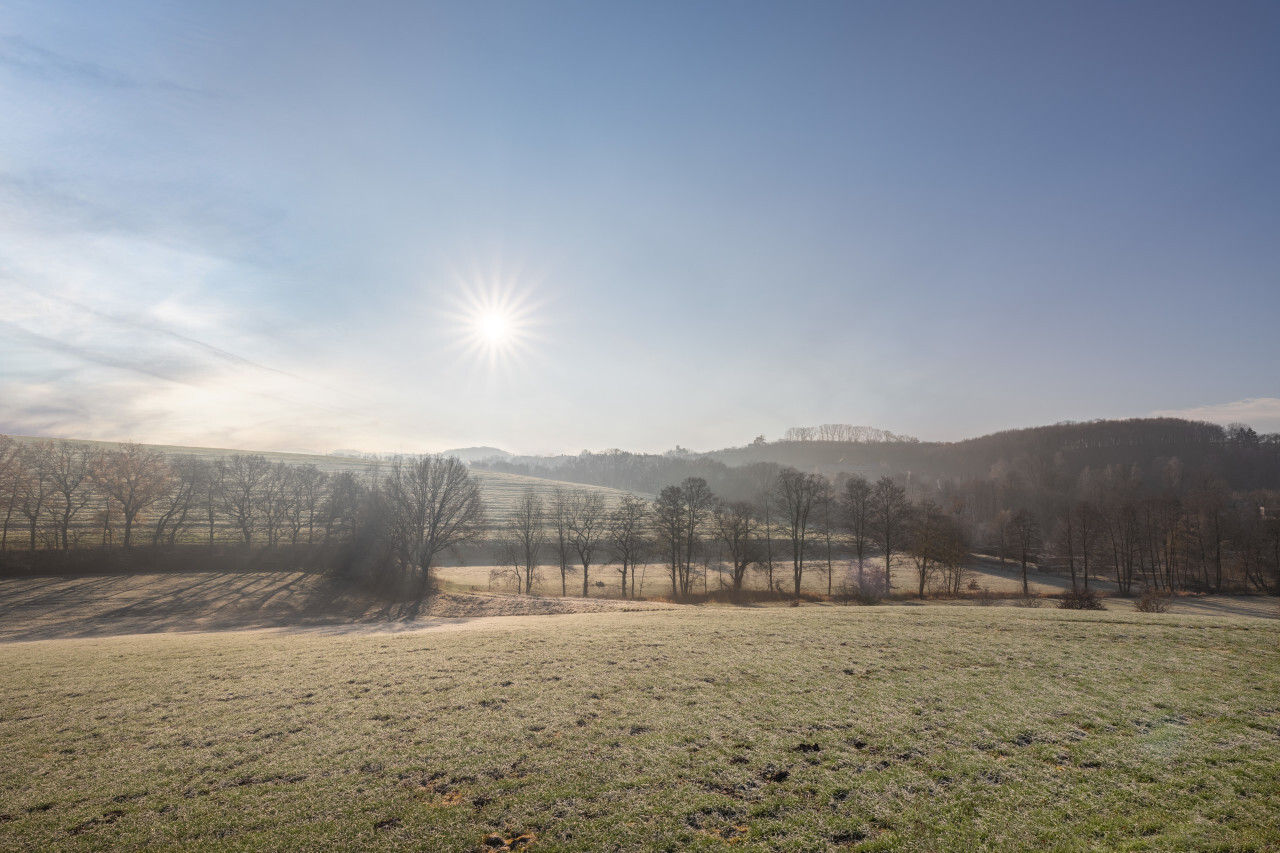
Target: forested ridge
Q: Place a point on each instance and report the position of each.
(1237, 455)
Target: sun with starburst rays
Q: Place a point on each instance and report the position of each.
(494, 319)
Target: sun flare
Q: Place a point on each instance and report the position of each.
(494, 321)
(493, 327)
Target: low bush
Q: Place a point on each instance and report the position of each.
(1152, 601)
(1081, 599)
(866, 590)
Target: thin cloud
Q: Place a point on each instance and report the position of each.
(204, 347)
(1261, 413)
(18, 333)
(23, 56)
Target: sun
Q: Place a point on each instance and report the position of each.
(493, 327)
(494, 321)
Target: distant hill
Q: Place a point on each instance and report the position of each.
(1237, 455)
(475, 454)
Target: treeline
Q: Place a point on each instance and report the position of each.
(796, 524)
(1144, 535)
(1157, 527)
(389, 525)
(1161, 503)
(63, 495)
(1157, 524)
(847, 433)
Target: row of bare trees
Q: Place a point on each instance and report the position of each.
(798, 523)
(61, 495)
(1158, 529)
(399, 516)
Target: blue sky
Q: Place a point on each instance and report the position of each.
(280, 225)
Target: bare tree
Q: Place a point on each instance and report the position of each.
(668, 529)
(698, 502)
(11, 473)
(211, 493)
(856, 501)
(919, 545)
(560, 536)
(889, 511)
(135, 478)
(340, 510)
(1000, 532)
(432, 503)
(69, 485)
(736, 525)
(310, 490)
(826, 512)
(587, 528)
(274, 501)
(626, 536)
(1026, 538)
(679, 515)
(189, 477)
(1207, 523)
(523, 538)
(951, 552)
(763, 476)
(1076, 535)
(797, 494)
(240, 480)
(33, 488)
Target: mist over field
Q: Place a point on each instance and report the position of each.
(489, 426)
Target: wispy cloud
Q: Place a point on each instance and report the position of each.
(1261, 413)
(25, 57)
(167, 369)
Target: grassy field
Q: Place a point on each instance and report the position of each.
(813, 728)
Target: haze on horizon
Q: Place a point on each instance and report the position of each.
(555, 226)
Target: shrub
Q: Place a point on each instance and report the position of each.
(870, 589)
(1029, 600)
(985, 597)
(1152, 601)
(1081, 599)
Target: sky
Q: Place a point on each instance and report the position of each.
(549, 227)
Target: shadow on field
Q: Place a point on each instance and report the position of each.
(56, 607)
(49, 608)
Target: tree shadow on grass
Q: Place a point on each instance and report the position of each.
(47, 608)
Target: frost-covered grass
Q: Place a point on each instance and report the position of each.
(799, 729)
